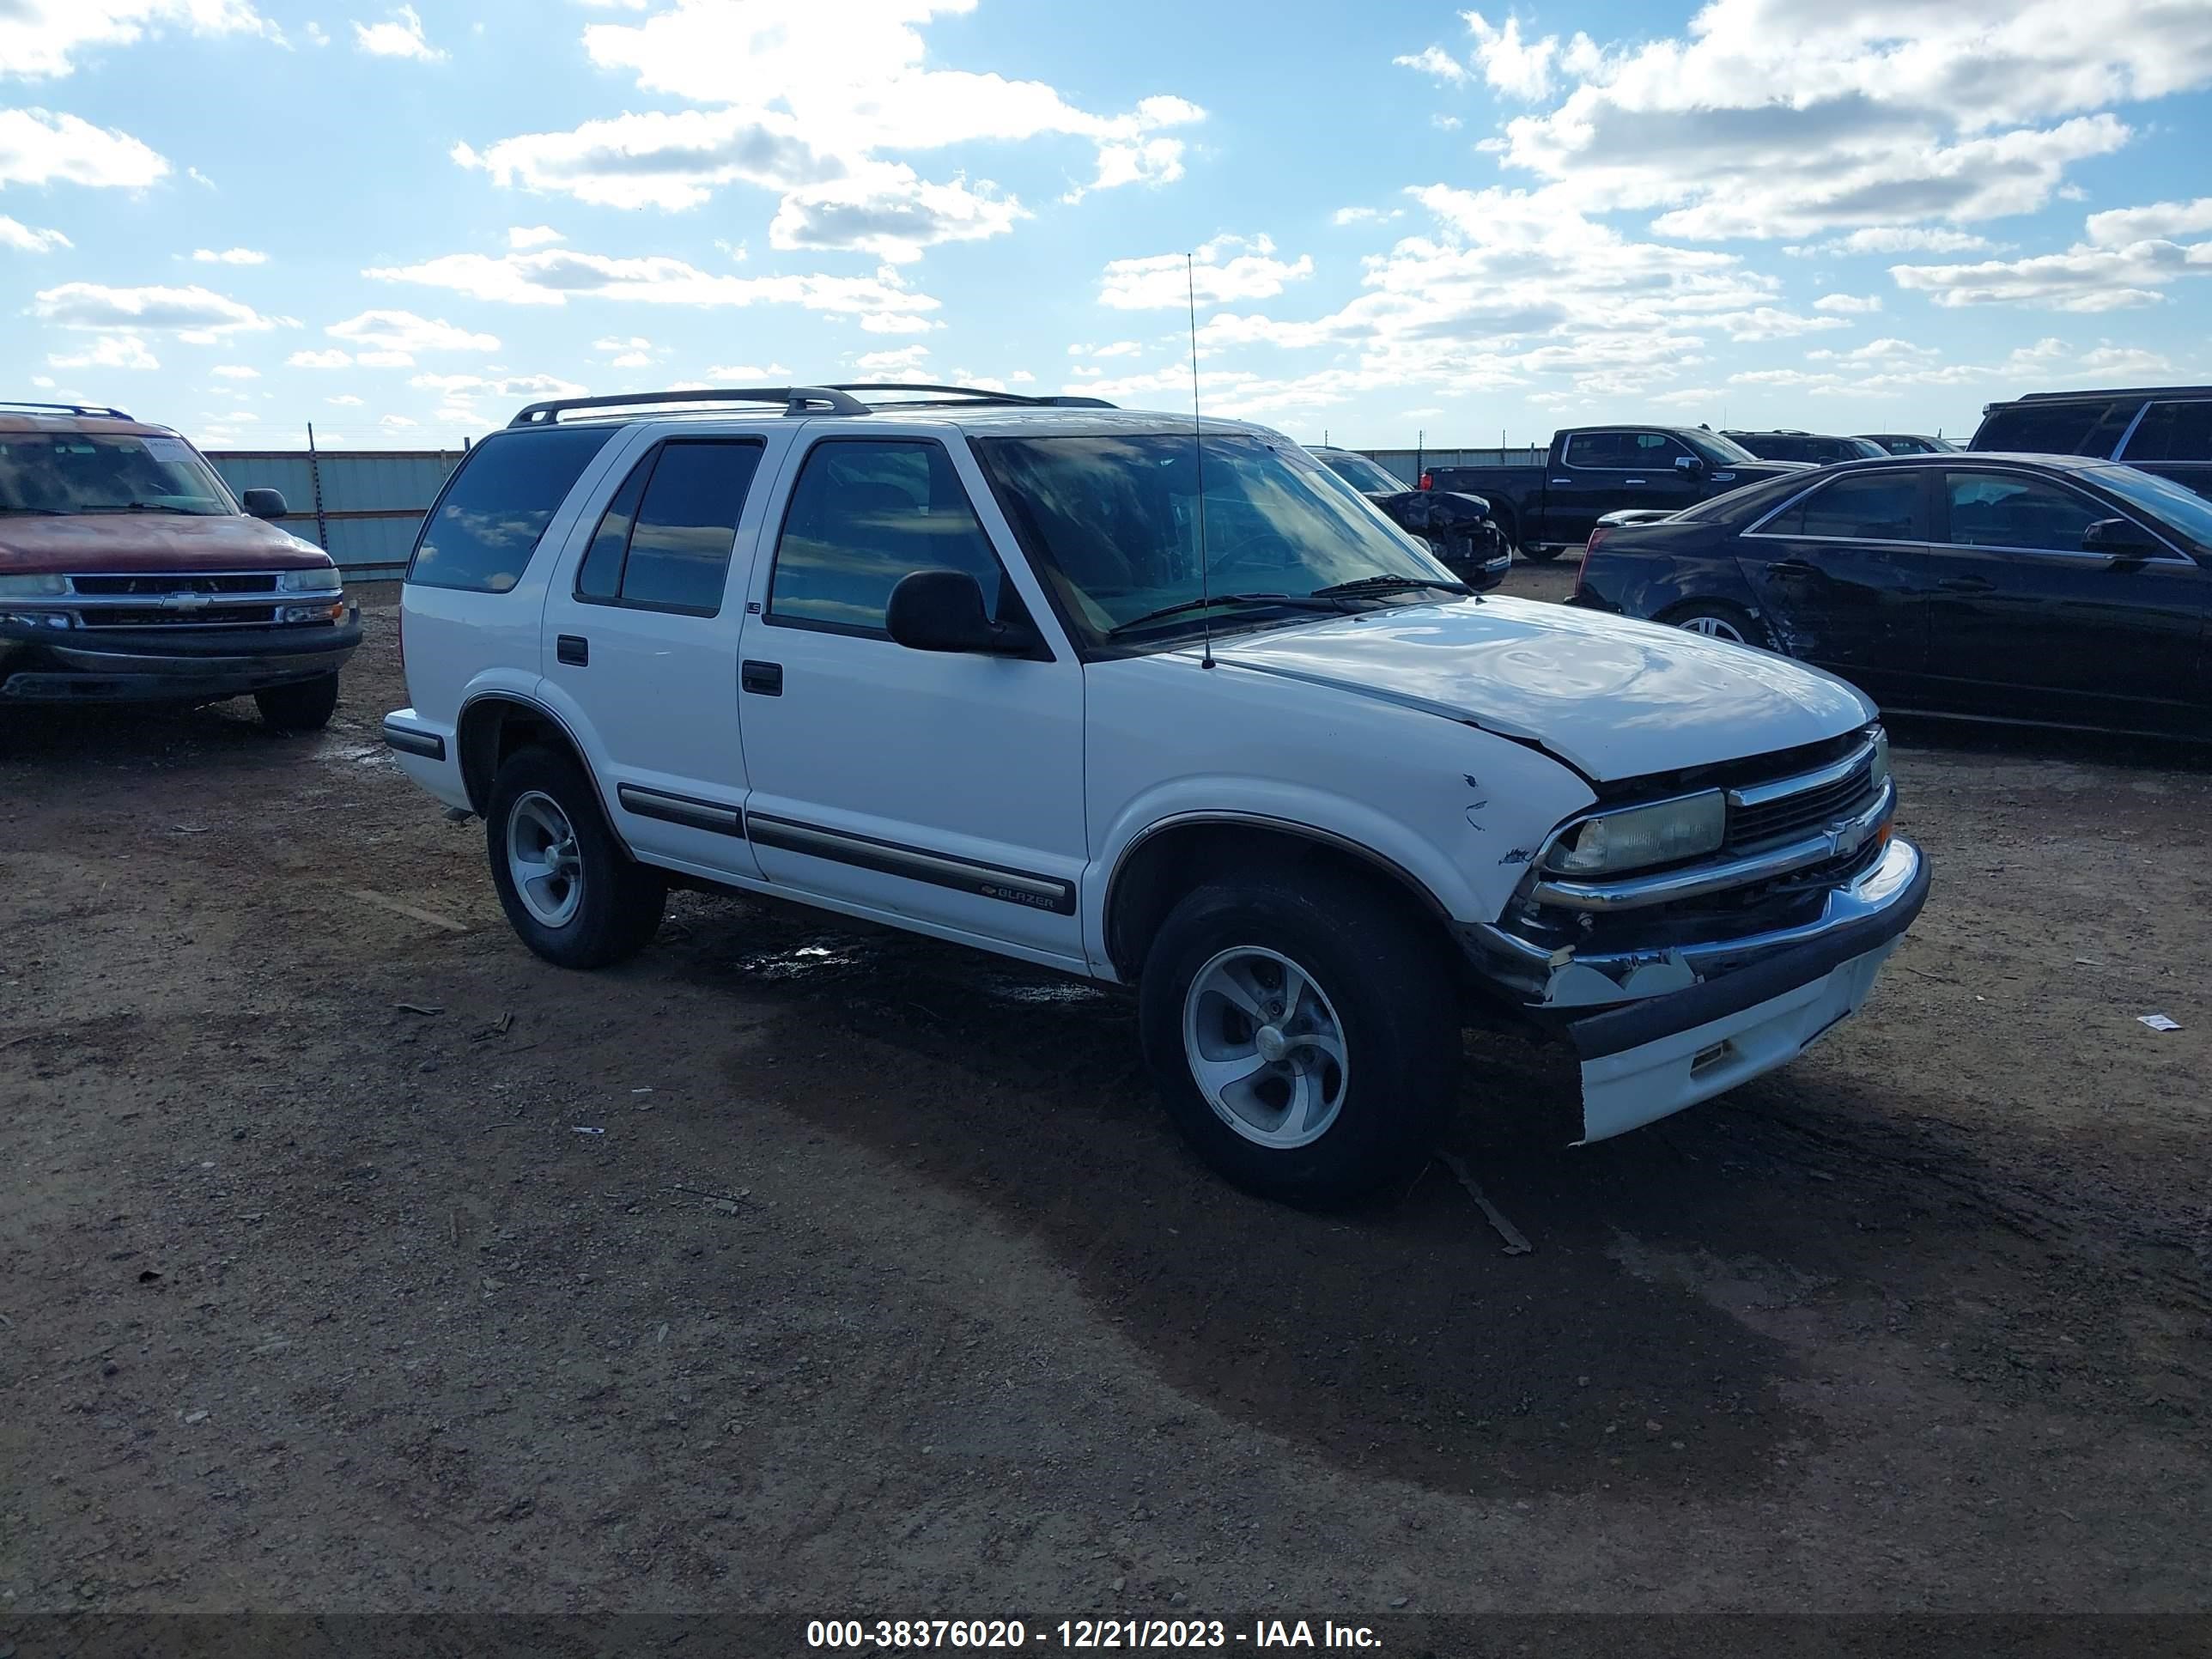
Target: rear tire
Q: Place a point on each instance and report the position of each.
(302, 705)
(571, 893)
(1719, 620)
(1305, 1035)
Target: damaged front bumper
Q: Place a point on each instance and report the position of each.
(1660, 1029)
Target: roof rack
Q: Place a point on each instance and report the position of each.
(974, 393)
(796, 400)
(2106, 391)
(67, 409)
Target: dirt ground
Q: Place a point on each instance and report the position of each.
(351, 1259)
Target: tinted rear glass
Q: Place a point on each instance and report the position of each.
(485, 528)
(1880, 506)
(2089, 428)
(2172, 432)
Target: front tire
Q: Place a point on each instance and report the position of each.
(302, 705)
(1542, 552)
(571, 892)
(1305, 1035)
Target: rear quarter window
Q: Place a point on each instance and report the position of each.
(2092, 427)
(486, 526)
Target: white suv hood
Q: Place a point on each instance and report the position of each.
(1614, 698)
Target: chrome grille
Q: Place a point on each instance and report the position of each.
(157, 586)
(1811, 808)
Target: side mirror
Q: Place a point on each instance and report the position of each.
(1689, 464)
(942, 610)
(2123, 538)
(263, 503)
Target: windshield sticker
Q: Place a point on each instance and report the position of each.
(173, 451)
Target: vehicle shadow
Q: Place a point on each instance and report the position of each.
(1933, 733)
(1398, 1339)
(225, 734)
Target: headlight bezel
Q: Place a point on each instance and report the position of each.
(1647, 835)
(48, 587)
(311, 579)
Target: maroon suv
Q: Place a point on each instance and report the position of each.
(129, 573)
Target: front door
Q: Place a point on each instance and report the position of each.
(1839, 574)
(2027, 623)
(939, 789)
(641, 634)
(1605, 472)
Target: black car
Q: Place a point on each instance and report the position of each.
(1817, 448)
(2162, 429)
(2052, 590)
(1457, 525)
(1911, 443)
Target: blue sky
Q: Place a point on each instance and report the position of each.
(241, 215)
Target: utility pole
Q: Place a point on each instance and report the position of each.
(315, 478)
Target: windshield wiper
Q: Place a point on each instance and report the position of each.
(1294, 601)
(145, 507)
(43, 512)
(1367, 585)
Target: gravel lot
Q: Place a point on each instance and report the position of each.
(879, 1286)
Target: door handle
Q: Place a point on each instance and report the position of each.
(765, 678)
(1792, 569)
(1965, 584)
(1631, 481)
(573, 649)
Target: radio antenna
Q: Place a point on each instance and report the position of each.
(1198, 448)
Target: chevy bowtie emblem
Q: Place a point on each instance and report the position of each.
(186, 602)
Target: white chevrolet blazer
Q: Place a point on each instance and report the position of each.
(1163, 706)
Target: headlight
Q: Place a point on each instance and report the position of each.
(322, 580)
(33, 587)
(1637, 836)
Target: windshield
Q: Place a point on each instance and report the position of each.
(1362, 474)
(1113, 525)
(2174, 504)
(70, 472)
(1720, 452)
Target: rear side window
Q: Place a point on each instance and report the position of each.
(2089, 428)
(1867, 507)
(864, 515)
(2173, 432)
(664, 541)
(486, 526)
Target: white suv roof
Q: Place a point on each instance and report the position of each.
(970, 408)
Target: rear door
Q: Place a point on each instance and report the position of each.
(640, 635)
(940, 789)
(1602, 472)
(1840, 571)
(2024, 623)
(2174, 440)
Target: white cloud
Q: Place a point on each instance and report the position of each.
(395, 420)
(1434, 60)
(1516, 68)
(458, 392)
(1786, 118)
(551, 277)
(1848, 305)
(1764, 323)
(199, 315)
(825, 105)
(38, 147)
(1446, 123)
(26, 239)
(750, 374)
(530, 236)
(39, 39)
(1363, 215)
(2159, 221)
(402, 331)
(1112, 348)
(235, 372)
(1903, 238)
(331, 359)
(108, 352)
(1890, 368)
(635, 352)
(2083, 278)
(229, 256)
(401, 36)
(898, 363)
(318, 36)
(1159, 281)
(344, 400)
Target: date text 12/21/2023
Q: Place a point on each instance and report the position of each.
(1088, 1635)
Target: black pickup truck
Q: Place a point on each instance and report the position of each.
(1592, 471)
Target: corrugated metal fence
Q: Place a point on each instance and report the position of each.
(361, 506)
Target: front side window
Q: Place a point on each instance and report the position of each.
(1113, 525)
(486, 526)
(664, 541)
(61, 474)
(1998, 509)
(1362, 474)
(1867, 507)
(865, 515)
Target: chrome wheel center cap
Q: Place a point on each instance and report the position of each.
(1271, 1043)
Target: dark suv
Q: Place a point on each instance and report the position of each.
(1818, 448)
(129, 573)
(2162, 429)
